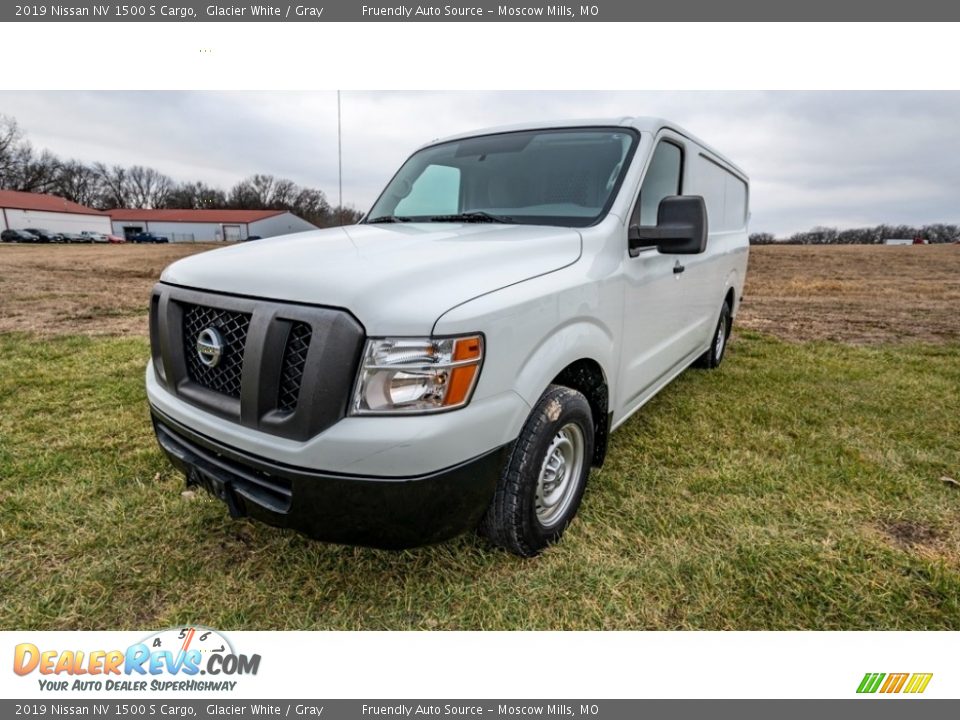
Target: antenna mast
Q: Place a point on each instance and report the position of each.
(339, 162)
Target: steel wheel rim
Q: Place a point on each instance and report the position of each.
(559, 475)
(721, 338)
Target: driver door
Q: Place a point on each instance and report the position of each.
(656, 337)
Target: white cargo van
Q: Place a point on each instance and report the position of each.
(460, 357)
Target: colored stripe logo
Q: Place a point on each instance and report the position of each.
(913, 683)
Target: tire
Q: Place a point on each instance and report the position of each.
(712, 358)
(533, 502)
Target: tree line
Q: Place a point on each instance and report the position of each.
(107, 187)
(935, 233)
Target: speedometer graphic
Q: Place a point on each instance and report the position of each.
(180, 640)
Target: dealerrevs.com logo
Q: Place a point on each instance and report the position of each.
(178, 659)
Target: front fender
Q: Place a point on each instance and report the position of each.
(533, 330)
(579, 339)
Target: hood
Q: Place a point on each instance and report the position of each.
(395, 279)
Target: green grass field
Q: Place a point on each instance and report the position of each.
(797, 488)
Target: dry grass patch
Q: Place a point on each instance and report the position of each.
(862, 294)
(81, 289)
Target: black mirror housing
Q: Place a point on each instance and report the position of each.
(681, 227)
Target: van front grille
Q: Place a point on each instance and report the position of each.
(294, 361)
(232, 327)
(284, 368)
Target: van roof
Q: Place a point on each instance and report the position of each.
(642, 123)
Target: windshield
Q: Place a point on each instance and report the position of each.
(539, 177)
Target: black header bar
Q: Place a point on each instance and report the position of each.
(489, 11)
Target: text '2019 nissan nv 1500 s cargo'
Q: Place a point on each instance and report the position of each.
(459, 358)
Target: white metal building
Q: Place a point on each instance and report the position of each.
(207, 225)
(20, 210)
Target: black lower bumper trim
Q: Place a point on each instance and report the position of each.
(378, 512)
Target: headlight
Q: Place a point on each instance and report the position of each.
(417, 375)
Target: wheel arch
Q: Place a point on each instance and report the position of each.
(730, 291)
(579, 356)
(587, 377)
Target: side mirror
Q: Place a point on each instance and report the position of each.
(681, 227)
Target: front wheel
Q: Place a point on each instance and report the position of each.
(718, 343)
(543, 479)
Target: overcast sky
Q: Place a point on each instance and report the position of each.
(814, 158)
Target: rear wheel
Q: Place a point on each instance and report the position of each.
(543, 480)
(718, 343)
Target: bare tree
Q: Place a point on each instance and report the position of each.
(210, 197)
(284, 194)
(11, 140)
(243, 196)
(933, 233)
(195, 196)
(21, 167)
(346, 215)
(36, 172)
(264, 187)
(77, 182)
(113, 186)
(264, 192)
(147, 188)
(311, 204)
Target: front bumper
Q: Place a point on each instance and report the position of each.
(386, 512)
(364, 446)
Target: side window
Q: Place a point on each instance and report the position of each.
(724, 193)
(735, 212)
(435, 192)
(662, 180)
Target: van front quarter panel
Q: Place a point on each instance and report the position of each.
(459, 358)
(537, 329)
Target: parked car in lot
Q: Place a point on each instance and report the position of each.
(44, 235)
(94, 237)
(18, 236)
(146, 237)
(68, 237)
(460, 358)
(116, 239)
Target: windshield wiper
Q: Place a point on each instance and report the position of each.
(389, 219)
(477, 216)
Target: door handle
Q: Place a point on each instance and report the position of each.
(678, 268)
